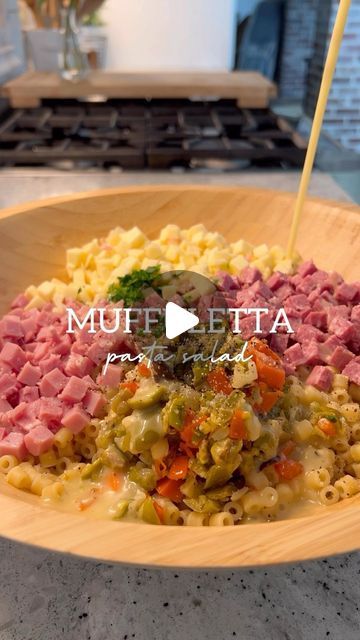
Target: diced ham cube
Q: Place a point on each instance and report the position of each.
(41, 352)
(52, 383)
(113, 376)
(321, 378)
(50, 363)
(355, 313)
(74, 390)
(11, 327)
(8, 385)
(284, 292)
(13, 355)
(28, 394)
(312, 353)
(64, 345)
(20, 301)
(259, 288)
(29, 327)
(346, 292)
(38, 440)
(279, 342)
(297, 305)
(5, 406)
(94, 403)
(340, 358)
(29, 375)
(306, 268)
(307, 332)
(13, 445)
(50, 411)
(342, 328)
(226, 282)
(76, 419)
(249, 275)
(352, 371)
(294, 355)
(276, 280)
(316, 319)
(78, 365)
(2, 433)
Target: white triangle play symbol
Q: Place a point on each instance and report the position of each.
(178, 320)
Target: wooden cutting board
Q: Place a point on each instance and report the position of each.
(33, 240)
(250, 89)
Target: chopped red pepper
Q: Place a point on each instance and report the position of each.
(170, 489)
(179, 468)
(327, 427)
(219, 382)
(237, 429)
(131, 386)
(160, 511)
(288, 469)
(144, 370)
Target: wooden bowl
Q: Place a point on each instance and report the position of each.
(33, 239)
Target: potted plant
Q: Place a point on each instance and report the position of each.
(56, 44)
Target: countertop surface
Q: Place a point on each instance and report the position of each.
(47, 596)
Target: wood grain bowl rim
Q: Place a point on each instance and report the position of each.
(331, 531)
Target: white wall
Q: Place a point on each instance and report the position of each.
(170, 34)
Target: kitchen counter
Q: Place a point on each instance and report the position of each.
(49, 596)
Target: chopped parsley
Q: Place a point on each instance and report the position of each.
(130, 288)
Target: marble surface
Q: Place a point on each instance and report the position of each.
(47, 596)
(20, 185)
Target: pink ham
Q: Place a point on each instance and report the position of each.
(11, 327)
(113, 376)
(78, 365)
(76, 419)
(8, 385)
(5, 406)
(50, 363)
(94, 403)
(339, 358)
(13, 355)
(13, 444)
(306, 268)
(74, 390)
(2, 433)
(317, 319)
(38, 440)
(52, 383)
(28, 394)
(346, 292)
(352, 371)
(29, 375)
(355, 313)
(249, 275)
(321, 378)
(51, 411)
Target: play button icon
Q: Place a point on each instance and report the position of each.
(178, 320)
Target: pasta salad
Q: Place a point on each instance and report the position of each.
(203, 440)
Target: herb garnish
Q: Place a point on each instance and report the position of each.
(130, 288)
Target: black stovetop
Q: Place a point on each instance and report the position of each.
(155, 134)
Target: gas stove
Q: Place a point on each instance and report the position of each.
(154, 134)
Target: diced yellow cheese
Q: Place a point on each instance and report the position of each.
(134, 237)
(261, 251)
(238, 263)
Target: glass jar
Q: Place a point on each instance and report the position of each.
(73, 62)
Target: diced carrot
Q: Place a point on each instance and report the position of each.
(85, 503)
(170, 489)
(288, 469)
(179, 468)
(260, 346)
(144, 370)
(160, 511)
(219, 381)
(327, 427)
(130, 385)
(268, 399)
(269, 371)
(237, 429)
(160, 468)
(191, 421)
(113, 481)
(288, 448)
